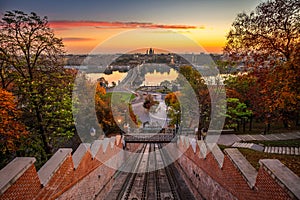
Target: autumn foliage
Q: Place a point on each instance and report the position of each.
(11, 130)
(265, 43)
(113, 110)
(31, 67)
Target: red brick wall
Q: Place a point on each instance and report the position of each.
(132, 147)
(229, 178)
(86, 165)
(95, 183)
(26, 187)
(62, 177)
(98, 177)
(205, 183)
(268, 187)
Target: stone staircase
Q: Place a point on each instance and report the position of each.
(242, 145)
(283, 150)
(276, 150)
(248, 146)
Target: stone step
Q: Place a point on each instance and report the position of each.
(280, 150)
(252, 146)
(292, 150)
(266, 149)
(283, 150)
(276, 150)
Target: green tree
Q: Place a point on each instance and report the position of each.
(193, 84)
(173, 104)
(31, 58)
(237, 113)
(166, 83)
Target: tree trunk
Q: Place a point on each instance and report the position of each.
(200, 125)
(285, 124)
(41, 129)
(250, 125)
(285, 119)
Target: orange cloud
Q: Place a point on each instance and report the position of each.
(76, 39)
(118, 25)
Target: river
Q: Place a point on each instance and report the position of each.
(153, 78)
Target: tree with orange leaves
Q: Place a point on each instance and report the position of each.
(11, 130)
(266, 42)
(112, 107)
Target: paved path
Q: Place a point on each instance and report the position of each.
(271, 137)
(230, 139)
(157, 118)
(141, 112)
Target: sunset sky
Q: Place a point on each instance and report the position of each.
(164, 24)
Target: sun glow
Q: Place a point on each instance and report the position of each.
(81, 38)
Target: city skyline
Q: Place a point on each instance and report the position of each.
(118, 27)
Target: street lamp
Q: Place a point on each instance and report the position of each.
(168, 109)
(92, 131)
(125, 116)
(177, 120)
(176, 112)
(119, 121)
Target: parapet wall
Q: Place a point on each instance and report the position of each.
(214, 175)
(62, 173)
(210, 173)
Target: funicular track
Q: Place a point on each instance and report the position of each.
(150, 179)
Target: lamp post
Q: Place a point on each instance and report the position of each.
(126, 123)
(167, 115)
(177, 121)
(119, 120)
(125, 116)
(176, 112)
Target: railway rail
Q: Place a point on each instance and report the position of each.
(149, 178)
